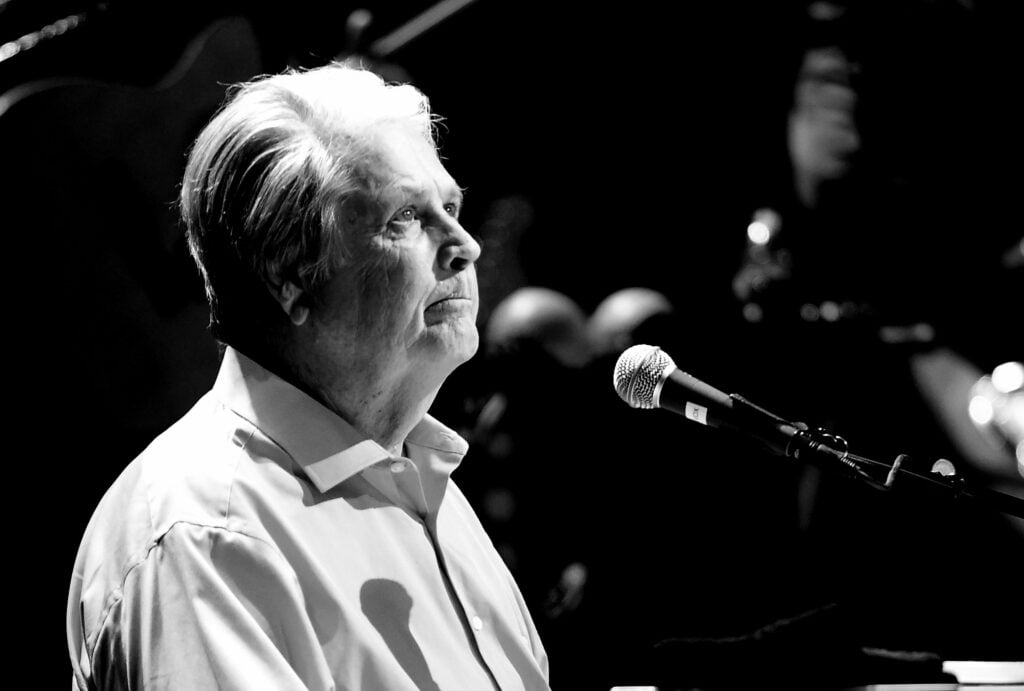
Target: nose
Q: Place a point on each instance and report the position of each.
(459, 249)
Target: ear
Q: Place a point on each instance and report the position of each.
(289, 297)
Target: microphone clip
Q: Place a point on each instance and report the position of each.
(817, 445)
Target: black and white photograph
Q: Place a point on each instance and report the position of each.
(476, 345)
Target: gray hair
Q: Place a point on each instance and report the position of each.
(266, 178)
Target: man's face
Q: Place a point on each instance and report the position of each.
(406, 298)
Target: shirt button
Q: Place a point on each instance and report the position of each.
(397, 466)
(477, 623)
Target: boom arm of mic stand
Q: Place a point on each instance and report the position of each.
(956, 487)
(796, 440)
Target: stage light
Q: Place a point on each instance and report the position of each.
(1008, 377)
(759, 233)
(980, 410)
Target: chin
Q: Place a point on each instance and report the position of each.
(466, 348)
(451, 346)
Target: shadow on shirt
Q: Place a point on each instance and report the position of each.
(385, 602)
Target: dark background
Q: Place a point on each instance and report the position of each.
(632, 144)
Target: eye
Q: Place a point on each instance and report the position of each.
(402, 223)
(452, 209)
(406, 215)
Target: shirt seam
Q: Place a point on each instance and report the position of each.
(105, 617)
(108, 610)
(238, 461)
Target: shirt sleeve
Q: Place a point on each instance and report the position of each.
(209, 608)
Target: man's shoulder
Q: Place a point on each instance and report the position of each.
(188, 474)
(184, 499)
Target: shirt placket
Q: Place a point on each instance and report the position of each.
(410, 486)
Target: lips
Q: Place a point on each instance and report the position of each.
(446, 301)
(449, 295)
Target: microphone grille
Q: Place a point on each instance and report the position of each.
(638, 373)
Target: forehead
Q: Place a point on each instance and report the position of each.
(400, 160)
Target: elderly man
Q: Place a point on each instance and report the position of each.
(298, 528)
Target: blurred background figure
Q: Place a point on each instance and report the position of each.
(539, 317)
(627, 317)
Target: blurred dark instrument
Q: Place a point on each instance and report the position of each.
(92, 173)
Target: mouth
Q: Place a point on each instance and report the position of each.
(446, 302)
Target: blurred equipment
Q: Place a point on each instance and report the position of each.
(356, 25)
(416, 27)
(50, 31)
(997, 404)
(983, 414)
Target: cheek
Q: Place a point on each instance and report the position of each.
(391, 292)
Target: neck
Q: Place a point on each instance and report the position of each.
(384, 405)
(387, 414)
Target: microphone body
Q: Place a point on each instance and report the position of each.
(646, 377)
(688, 396)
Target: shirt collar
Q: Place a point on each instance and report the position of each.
(328, 449)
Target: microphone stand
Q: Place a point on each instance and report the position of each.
(824, 448)
(640, 380)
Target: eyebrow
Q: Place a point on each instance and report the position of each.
(413, 189)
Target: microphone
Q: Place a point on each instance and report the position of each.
(646, 377)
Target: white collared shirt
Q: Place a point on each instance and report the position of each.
(264, 543)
